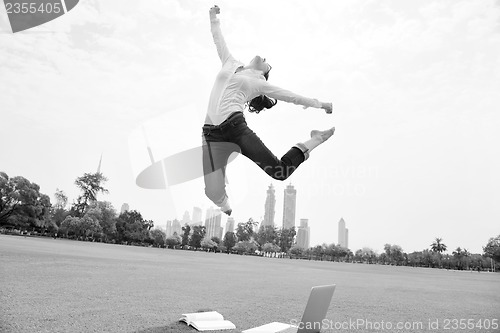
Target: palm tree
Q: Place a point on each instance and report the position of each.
(437, 246)
(459, 254)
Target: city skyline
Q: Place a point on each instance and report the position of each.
(414, 87)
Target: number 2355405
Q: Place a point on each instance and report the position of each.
(33, 8)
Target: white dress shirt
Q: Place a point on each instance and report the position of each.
(231, 91)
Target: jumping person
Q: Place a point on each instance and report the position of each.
(226, 131)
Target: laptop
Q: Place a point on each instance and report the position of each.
(312, 319)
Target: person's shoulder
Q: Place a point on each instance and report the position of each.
(231, 64)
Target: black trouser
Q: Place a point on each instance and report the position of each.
(234, 136)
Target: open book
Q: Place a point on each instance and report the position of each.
(207, 321)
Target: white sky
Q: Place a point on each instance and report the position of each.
(415, 87)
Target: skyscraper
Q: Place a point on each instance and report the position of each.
(289, 202)
(168, 229)
(125, 207)
(269, 207)
(303, 234)
(196, 216)
(212, 223)
(343, 235)
(186, 219)
(176, 227)
(229, 225)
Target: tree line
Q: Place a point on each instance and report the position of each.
(24, 208)
(243, 240)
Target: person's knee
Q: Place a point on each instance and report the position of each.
(281, 172)
(279, 176)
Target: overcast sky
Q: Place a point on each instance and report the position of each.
(415, 87)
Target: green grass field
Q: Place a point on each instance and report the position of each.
(49, 285)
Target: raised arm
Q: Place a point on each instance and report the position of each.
(219, 41)
(287, 96)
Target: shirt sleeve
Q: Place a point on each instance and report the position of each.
(219, 41)
(281, 94)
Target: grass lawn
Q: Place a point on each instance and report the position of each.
(49, 285)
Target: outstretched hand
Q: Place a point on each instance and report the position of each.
(328, 107)
(214, 11)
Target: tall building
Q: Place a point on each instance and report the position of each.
(176, 227)
(229, 225)
(186, 219)
(303, 234)
(168, 229)
(343, 235)
(269, 207)
(125, 207)
(289, 202)
(212, 223)
(196, 216)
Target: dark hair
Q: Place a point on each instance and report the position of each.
(261, 102)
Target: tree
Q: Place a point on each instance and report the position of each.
(285, 238)
(330, 251)
(90, 184)
(70, 227)
(245, 247)
(270, 247)
(131, 227)
(394, 253)
(358, 255)
(216, 240)
(159, 237)
(415, 259)
(397, 254)
(459, 255)
(492, 248)
(244, 231)
(173, 241)
(58, 211)
(80, 227)
(89, 227)
(199, 233)
(429, 258)
(437, 246)
(22, 205)
(208, 244)
(296, 250)
(335, 251)
(9, 199)
(318, 252)
(61, 199)
(239, 247)
(349, 256)
(186, 230)
(104, 212)
(229, 240)
(266, 234)
(368, 255)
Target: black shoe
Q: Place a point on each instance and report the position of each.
(228, 212)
